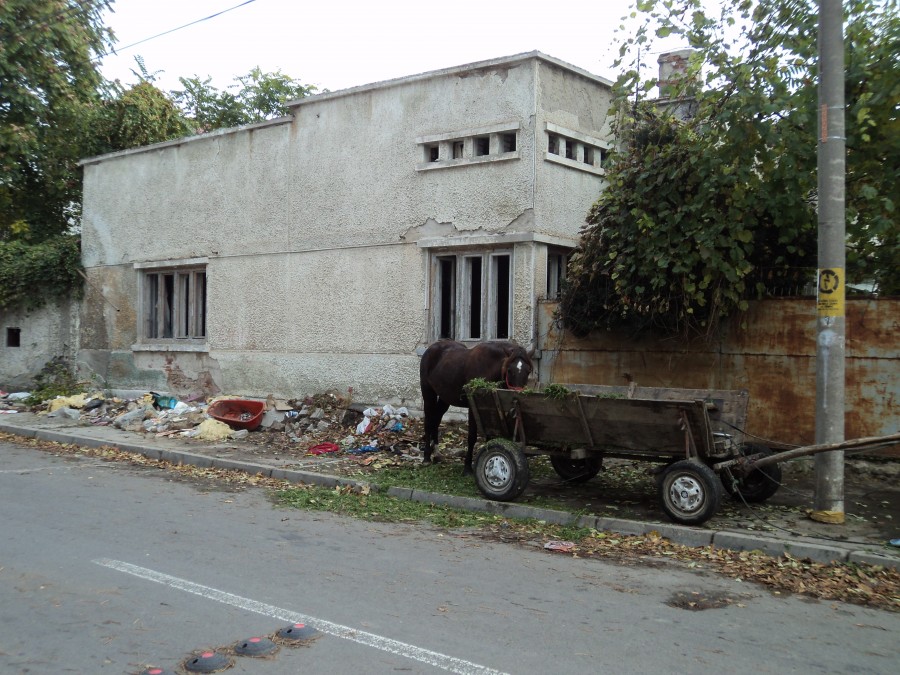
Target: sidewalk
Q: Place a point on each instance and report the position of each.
(862, 542)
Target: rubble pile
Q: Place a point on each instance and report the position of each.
(314, 425)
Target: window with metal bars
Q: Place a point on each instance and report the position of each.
(472, 295)
(174, 305)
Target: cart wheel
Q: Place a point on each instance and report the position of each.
(690, 492)
(758, 485)
(576, 470)
(501, 471)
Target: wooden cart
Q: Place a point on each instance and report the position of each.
(694, 435)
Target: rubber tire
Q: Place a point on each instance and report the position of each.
(501, 470)
(696, 478)
(576, 470)
(760, 484)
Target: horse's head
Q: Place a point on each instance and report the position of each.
(517, 368)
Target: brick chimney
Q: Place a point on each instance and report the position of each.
(672, 68)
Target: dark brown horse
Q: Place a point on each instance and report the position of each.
(446, 368)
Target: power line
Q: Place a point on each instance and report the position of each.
(172, 30)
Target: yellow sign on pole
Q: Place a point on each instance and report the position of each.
(830, 293)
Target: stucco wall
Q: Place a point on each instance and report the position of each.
(311, 227)
(563, 195)
(44, 334)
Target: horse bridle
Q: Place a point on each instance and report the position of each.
(506, 375)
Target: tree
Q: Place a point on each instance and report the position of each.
(48, 83)
(698, 212)
(257, 96)
(141, 114)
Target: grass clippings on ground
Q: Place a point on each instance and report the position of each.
(870, 585)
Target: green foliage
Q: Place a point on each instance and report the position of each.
(443, 477)
(556, 392)
(698, 209)
(378, 507)
(32, 274)
(139, 115)
(255, 97)
(57, 378)
(479, 385)
(48, 84)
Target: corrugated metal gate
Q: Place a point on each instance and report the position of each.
(772, 354)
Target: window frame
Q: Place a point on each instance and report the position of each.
(575, 150)
(472, 319)
(173, 303)
(467, 147)
(557, 270)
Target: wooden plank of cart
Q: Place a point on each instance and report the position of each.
(694, 435)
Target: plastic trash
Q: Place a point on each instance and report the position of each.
(135, 415)
(322, 448)
(363, 449)
(563, 546)
(161, 401)
(362, 426)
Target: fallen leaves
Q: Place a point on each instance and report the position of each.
(869, 585)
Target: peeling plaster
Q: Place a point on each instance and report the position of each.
(429, 229)
(524, 222)
(182, 383)
(501, 73)
(432, 229)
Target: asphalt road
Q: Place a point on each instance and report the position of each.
(110, 568)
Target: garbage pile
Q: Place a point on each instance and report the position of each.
(315, 425)
(13, 403)
(324, 426)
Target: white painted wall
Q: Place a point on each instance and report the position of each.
(314, 228)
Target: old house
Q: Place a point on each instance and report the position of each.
(326, 249)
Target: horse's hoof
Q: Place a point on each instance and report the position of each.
(467, 471)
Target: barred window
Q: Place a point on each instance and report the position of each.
(174, 304)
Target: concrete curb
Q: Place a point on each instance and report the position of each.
(679, 534)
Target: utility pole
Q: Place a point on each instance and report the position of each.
(830, 306)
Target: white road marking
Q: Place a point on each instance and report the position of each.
(442, 661)
(51, 469)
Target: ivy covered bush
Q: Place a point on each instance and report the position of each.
(33, 274)
(699, 208)
(673, 243)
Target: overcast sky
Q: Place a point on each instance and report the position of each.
(337, 44)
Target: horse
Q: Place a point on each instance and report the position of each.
(447, 366)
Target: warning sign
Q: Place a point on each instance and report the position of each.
(830, 296)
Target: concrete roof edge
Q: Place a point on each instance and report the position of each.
(286, 119)
(443, 72)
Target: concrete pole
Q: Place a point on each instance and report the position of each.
(830, 306)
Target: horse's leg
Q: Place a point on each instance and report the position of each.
(473, 437)
(434, 412)
(429, 405)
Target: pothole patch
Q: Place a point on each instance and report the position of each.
(696, 601)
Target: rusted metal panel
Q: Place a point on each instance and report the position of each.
(769, 351)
